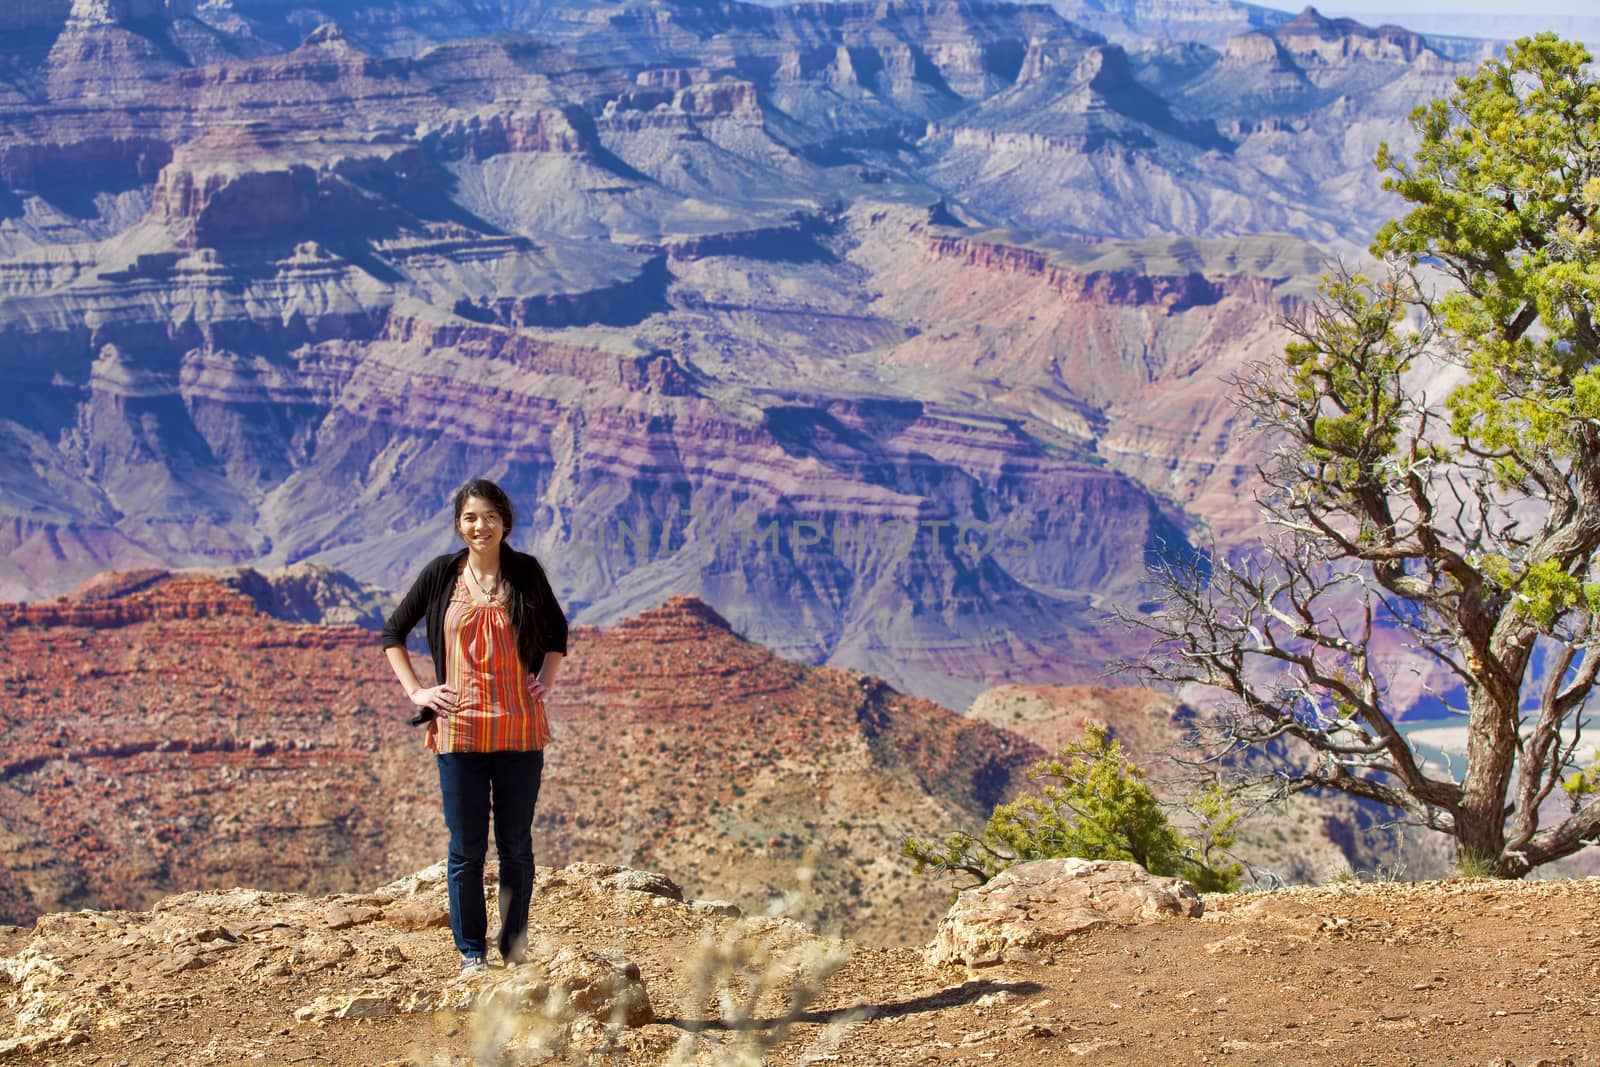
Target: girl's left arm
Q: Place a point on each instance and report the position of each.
(545, 680)
(553, 628)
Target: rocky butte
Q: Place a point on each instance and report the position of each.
(273, 280)
(240, 748)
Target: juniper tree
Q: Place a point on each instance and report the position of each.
(1436, 483)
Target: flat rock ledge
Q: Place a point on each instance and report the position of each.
(348, 956)
(1024, 913)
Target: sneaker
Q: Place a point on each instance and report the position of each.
(473, 965)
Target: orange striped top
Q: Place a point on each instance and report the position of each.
(494, 710)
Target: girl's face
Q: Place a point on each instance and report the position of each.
(480, 525)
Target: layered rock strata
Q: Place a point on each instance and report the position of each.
(268, 300)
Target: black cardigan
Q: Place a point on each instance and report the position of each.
(538, 621)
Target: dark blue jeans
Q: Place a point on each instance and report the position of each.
(478, 786)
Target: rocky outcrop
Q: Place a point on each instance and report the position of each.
(107, 162)
(303, 593)
(723, 99)
(1308, 61)
(1114, 288)
(657, 104)
(80, 14)
(794, 241)
(625, 302)
(85, 975)
(1025, 913)
(1138, 21)
(545, 355)
(602, 986)
(236, 199)
(1262, 51)
(141, 596)
(1312, 38)
(108, 12)
(484, 134)
(311, 593)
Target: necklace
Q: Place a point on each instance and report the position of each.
(485, 586)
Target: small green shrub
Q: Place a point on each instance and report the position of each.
(1096, 807)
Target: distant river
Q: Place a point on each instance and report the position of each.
(1443, 742)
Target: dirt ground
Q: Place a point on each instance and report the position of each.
(1463, 972)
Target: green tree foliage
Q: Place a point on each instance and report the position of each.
(1438, 480)
(1096, 805)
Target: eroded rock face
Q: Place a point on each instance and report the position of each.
(1131, 349)
(1025, 913)
(302, 592)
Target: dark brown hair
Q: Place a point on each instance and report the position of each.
(484, 489)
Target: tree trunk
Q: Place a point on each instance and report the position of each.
(1479, 843)
(1480, 821)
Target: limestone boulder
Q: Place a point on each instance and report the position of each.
(612, 877)
(546, 1000)
(1025, 913)
(603, 985)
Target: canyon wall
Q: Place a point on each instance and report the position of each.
(897, 334)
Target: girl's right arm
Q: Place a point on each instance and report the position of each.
(441, 699)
